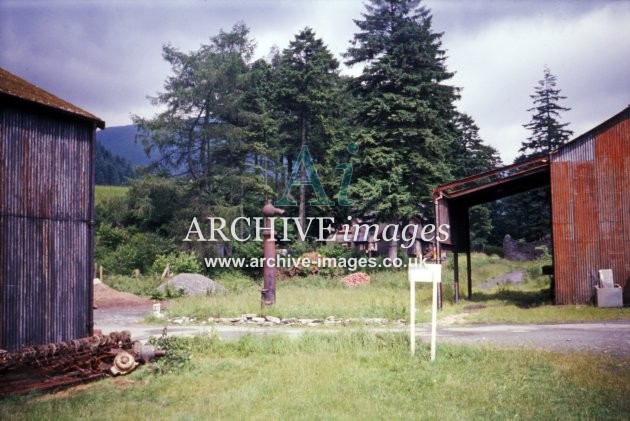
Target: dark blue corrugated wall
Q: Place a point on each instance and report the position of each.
(46, 226)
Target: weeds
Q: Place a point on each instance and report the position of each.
(178, 354)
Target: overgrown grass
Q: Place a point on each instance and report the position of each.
(350, 376)
(103, 193)
(145, 286)
(387, 296)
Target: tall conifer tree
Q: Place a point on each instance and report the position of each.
(405, 109)
(547, 131)
(528, 215)
(307, 82)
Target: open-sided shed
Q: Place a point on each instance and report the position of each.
(590, 206)
(46, 216)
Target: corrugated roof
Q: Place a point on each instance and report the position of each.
(497, 183)
(17, 87)
(583, 140)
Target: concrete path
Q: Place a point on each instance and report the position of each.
(611, 338)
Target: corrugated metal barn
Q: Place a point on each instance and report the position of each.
(590, 202)
(47, 148)
(590, 207)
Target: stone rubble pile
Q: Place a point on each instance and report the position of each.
(356, 279)
(265, 320)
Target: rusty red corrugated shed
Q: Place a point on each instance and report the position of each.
(46, 216)
(590, 192)
(590, 206)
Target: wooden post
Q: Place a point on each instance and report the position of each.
(100, 273)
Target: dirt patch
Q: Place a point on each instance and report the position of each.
(106, 297)
(123, 383)
(453, 319)
(515, 278)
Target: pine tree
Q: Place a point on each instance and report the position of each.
(547, 131)
(528, 215)
(405, 109)
(112, 170)
(472, 156)
(307, 82)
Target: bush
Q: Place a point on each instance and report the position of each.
(177, 357)
(490, 250)
(112, 211)
(248, 251)
(111, 237)
(299, 248)
(180, 262)
(138, 252)
(335, 251)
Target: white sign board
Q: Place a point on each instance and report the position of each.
(420, 271)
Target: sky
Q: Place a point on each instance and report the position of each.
(106, 56)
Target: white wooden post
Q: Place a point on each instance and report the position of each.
(420, 271)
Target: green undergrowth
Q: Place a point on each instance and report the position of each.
(348, 376)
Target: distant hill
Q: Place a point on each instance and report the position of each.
(121, 140)
(112, 170)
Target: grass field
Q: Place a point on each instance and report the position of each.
(103, 193)
(353, 376)
(357, 374)
(387, 297)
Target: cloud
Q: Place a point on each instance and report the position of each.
(105, 56)
(499, 65)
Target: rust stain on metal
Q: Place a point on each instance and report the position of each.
(268, 293)
(590, 204)
(591, 210)
(57, 365)
(46, 216)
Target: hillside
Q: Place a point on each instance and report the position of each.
(120, 140)
(112, 169)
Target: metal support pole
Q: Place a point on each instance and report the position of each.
(438, 249)
(469, 273)
(434, 317)
(456, 277)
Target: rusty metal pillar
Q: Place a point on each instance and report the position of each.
(268, 293)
